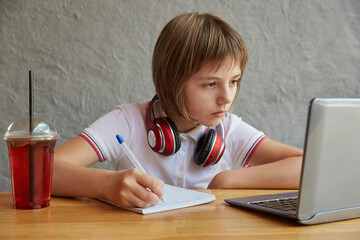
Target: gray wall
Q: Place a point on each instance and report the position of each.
(89, 56)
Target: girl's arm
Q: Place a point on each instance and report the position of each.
(73, 177)
(273, 165)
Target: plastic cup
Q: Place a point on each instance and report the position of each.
(31, 156)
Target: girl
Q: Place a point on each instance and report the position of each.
(185, 135)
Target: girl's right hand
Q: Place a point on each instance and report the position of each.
(129, 188)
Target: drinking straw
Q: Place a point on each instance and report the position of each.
(31, 127)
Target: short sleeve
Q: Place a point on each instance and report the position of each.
(241, 139)
(101, 134)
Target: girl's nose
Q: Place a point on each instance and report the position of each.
(226, 96)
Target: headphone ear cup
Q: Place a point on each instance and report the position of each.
(169, 134)
(176, 134)
(204, 148)
(154, 138)
(154, 135)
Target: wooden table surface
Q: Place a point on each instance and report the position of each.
(82, 218)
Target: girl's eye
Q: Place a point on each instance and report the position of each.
(209, 85)
(234, 82)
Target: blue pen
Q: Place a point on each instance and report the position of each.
(131, 156)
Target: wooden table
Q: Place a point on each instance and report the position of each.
(69, 218)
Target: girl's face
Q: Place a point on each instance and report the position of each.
(209, 94)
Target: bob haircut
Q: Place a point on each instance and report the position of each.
(185, 44)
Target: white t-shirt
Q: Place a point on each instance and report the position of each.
(179, 169)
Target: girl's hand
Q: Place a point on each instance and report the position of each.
(129, 188)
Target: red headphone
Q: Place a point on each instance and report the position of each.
(164, 138)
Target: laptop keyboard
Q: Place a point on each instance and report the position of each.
(285, 204)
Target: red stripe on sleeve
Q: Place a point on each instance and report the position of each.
(93, 146)
(245, 164)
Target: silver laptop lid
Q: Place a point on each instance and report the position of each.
(330, 178)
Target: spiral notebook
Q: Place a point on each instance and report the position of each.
(175, 198)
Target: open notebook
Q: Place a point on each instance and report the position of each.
(175, 198)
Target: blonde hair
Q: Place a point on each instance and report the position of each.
(185, 44)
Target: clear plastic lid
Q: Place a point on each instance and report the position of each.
(42, 129)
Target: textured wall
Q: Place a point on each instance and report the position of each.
(89, 56)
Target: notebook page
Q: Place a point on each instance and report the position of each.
(175, 198)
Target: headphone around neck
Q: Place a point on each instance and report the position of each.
(164, 138)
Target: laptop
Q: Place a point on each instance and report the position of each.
(329, 187)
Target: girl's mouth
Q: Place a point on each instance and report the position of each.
(219, 114)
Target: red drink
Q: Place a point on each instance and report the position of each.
(31, 183)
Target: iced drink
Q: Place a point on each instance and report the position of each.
(31, 157)
(26, 196)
